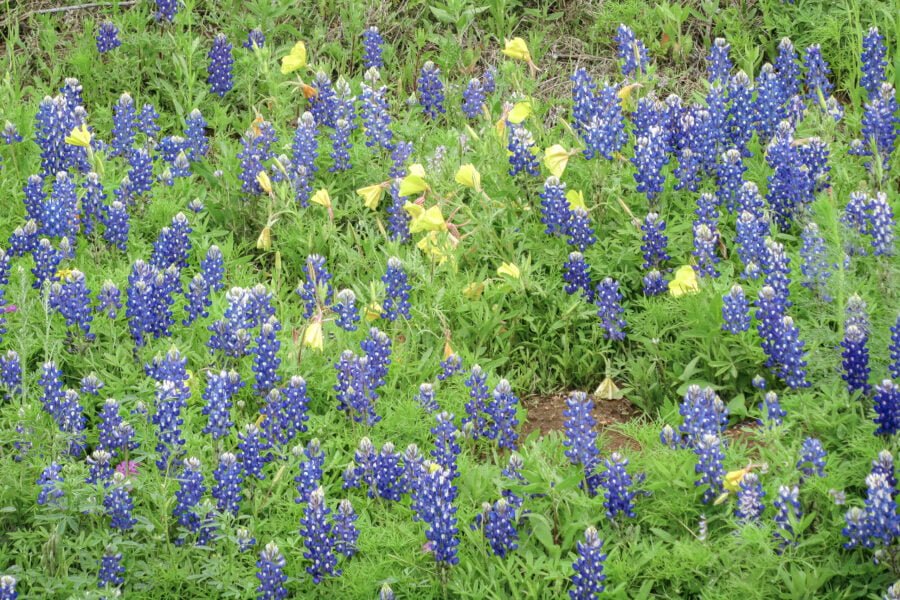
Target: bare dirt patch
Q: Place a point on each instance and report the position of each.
(545, 414)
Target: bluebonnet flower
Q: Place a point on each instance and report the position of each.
(498, 526)
(46, 261)
(450, 366)
(433, 497)
(372, 42)
(703, 412)
(171, 398)
(609, 309)
(750, 496)
(578, 277)
(72, 299)
(245, 539)
(197, 296)
(255, 39)
(741, 113)
(654, 283)
(787, 69)
(522, 151)
(855, 360)
(894, 348)
(396, 302)
(388, 474)
(188, 495)
(318, 539)
(879, 129)
(270, 572)
(769, 107)
(818, 88)
(34, 197)
(340, 139)
(881, 525)
(502, 413)
(555, 211)
(632, 53)
(446, 449)
(812, 458)
(171, 147)
(362, 470)
(815, 267)
(425, 397)
(311, 470)
(719, 64)
(489, 80)
(196, 142)
(788, 510)
(11, 373)
(356, 387)
(71, 421)
(173, 245)
(473, 99)
(581, 439)
(119, 505)
(146, 121)
(140, 173)
(617, 485)
(588, 567)
(716, 127)
(579, 230)
(10, 134)
(709, 466)
(324, 104)
(893, 592)
(150, 297)
(873, 61)
(111, 569)
(117, 225)
(735, 310)
(345, 308)
(375, 115)
(431, 90)
(219, 390)
(654, 241)
(770, 407)
(793, 366)
(649, 159)
(166, 10)
(220, 64)
(315, 289)
(265, 359)
(8, 588)
(24, 239)
(729, 177)
(584, 101)
(603, 129)
(124, 126)
(288, 409)
(51, 385)
(107, 37)
(512, 474)
(399, 155)
(212, 268)
(884, 464)
(55, 119)
(776, 267)
(49, 482)
(92, 203)
(881, 225)
(887, 408)
(398, 218)
(690, 152)
(229, 477)
(705, 240)
(59, 214)
(256, 148)
(253, 451)
(476, 406)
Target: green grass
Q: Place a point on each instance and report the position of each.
(528, 330)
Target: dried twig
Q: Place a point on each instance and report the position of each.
(58, 9)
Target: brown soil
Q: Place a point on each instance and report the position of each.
(545, 414)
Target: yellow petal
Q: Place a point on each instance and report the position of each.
(80, 136)
(412, 185)
(264, 241)
(260, 420)
(625, 92)
(474, 290)
(322, 197)
(417, 169)
(262, 178)
(312, 337)
(414, 211)
(519, 112)
(733, 479)
(469, 176)
(509, 269)
(608, 390)
(556, 158)
(433, 246)
(684, 282)
(373, 312)
(500, 128)
(448, 350)
(371, 195)
(296, 59)
(576, 199)
(517, 48)
(429, 220)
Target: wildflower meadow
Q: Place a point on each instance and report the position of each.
(519, 299)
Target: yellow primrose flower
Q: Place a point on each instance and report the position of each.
(434, 245)
(519, 112)
(576, 199)
(64, 274)
(321, 197)
(425, 220)
(733, 479)
(371, 195)
(469, 176)
(262, 178)
(625, 92)
(555, 159)
(80, 136)
(474, 290)
(264, 241)
(509, 269)
(685, 281)
(413, 184)
(296, 59)
(312, 336)
(373, 311)
(417, 169)
(517, 48)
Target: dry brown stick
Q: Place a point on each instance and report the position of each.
(79, 7)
